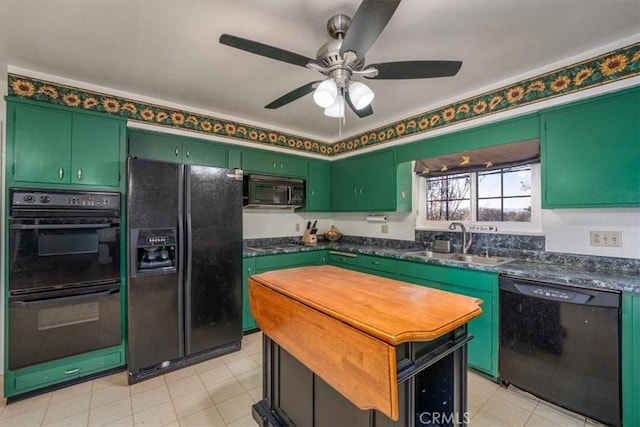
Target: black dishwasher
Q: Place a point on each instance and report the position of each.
(562, 344)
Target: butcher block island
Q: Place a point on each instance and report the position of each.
(349, 348)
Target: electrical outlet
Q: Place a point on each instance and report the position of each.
(605, 238)
(384, 229)
(297, 226)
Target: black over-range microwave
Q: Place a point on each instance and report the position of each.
(265, 191)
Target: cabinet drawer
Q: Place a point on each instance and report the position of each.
(342, 259)
(274, 262)
(68, 371)
(387, 265)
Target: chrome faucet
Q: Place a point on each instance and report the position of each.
(465, 244)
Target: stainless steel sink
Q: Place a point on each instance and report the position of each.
(463, 258)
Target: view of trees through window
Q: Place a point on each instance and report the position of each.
(499, 195)
(449, 198)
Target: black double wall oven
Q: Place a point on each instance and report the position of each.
(64, 274)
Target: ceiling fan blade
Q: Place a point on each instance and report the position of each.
(293, 95)
(414, 69)
(367, 24)
(364, 112)
(265, 50)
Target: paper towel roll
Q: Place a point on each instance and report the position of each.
(377, 218)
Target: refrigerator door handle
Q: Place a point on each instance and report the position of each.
(182, 260)
(189, 254)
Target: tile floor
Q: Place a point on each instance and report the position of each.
(220, 392)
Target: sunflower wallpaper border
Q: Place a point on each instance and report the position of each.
(606, 68)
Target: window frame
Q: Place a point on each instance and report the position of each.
(533, 226)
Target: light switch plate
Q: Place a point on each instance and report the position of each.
(605, 238)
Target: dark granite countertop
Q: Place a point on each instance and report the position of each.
(543, 271)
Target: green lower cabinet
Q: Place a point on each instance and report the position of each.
(483, 349)
(630, 359)
(298, 259)
(384, 267)
(342, 259)
(248, 268)
(69, 368)
(261, 264)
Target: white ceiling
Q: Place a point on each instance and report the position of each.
(169, 50)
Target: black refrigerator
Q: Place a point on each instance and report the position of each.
(184, 293)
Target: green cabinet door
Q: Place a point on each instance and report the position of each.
(155, 146)
(176, 149)
(483, 349)
(379, 266)
(248, 268)
(41, 144)
(203, 153)
(378, 182)
(298, 259)
(591, 153)
(630, 359)
(319, 186)
(262, 161)
(366, 183)
(95, 150)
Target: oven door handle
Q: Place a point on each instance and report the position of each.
(25, 304)
(56, 226)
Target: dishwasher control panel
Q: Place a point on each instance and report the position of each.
(553, 293)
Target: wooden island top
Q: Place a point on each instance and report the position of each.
(344, 325)
(389, 310)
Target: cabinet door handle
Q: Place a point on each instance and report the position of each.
(280, 165)
(361, 191)
(187, 153)
(275, 164)
(355, 191)
(61, 172)
(72, 371)
(313, 192)
(79, 174)
(375, 262)
(177, 151)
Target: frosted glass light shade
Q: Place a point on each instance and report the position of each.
(326, 93)
(360, 95)
(337, 109)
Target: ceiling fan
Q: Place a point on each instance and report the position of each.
(343, 58)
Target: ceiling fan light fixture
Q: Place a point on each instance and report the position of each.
(360, 95)
(326, 93)
(337, 109)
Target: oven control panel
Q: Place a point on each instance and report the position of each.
(64, 199)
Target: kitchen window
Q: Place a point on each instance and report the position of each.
(506, 199)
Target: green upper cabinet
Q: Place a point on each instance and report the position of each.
(176, 149)
(367, 183)
(95, 154)
(319, 186)
(51, 145)
(203, 153)
(272, 163)
(591, 153)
